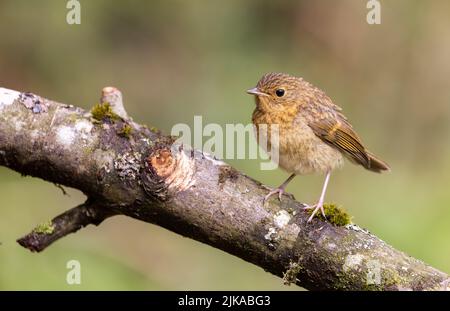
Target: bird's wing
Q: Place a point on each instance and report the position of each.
(334, 129)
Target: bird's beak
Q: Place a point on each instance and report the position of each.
(256, 91)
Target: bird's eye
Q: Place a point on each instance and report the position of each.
(279, 92)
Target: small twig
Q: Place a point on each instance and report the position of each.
(68, 222)
(113, 97)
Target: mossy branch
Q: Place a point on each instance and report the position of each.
(125, 168)
(68, 222)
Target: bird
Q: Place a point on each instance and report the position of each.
(314, 136)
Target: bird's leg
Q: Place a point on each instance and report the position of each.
(279, 190)
(319, 204)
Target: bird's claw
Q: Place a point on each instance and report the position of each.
(316, 208)
(280, 192)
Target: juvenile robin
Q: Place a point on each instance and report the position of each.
(314, 135)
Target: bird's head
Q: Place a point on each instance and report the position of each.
(276, 91)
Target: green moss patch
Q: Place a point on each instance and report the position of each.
(45, 228)
(103, 111)
(154, 130)
(125, 131)
(335, 215)
(290, 276)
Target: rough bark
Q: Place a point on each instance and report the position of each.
(125, 168)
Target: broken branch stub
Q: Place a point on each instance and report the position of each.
(167, 171)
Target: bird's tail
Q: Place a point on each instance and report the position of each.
(376, 165)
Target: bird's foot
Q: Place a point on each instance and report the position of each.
(316, 207)
(280, 192)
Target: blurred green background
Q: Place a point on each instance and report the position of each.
(176, 59)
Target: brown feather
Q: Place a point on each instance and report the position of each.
(377, 165)
(339, 134)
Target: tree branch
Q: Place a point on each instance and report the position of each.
(68, 222)
(125, 168)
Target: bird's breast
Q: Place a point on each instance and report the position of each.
(300, 151)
